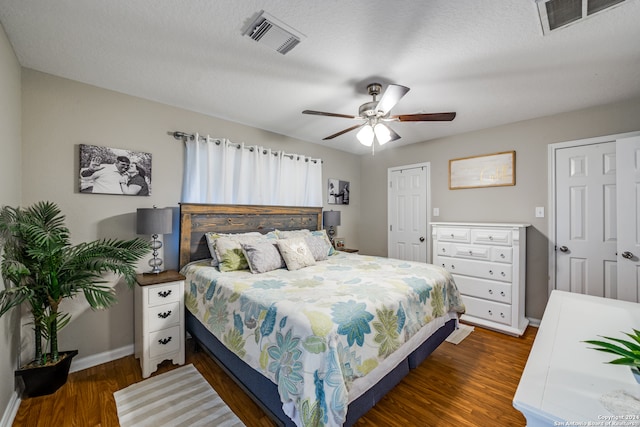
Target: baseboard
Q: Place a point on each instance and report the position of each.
(534, 322)
(10, 411)
(80, 363)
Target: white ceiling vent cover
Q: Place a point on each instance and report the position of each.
(557, 14)
(277, 35)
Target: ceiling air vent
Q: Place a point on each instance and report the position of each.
(556, 14)
(277, 35)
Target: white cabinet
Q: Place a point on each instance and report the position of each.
(565, 382)
(159, 319)
(487, 261)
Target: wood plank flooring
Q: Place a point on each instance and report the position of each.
(470, 384)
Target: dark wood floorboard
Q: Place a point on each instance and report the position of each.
(470, 384)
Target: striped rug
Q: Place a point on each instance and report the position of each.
(181, 397)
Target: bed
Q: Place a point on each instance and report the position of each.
(320, 345)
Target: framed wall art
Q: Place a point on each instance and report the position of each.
(338, 192)
(106, 170)
(489, 170)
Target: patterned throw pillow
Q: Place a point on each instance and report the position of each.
(323, 234)
(263, 256)
(296, 253)
(213, 236)
(318, 246)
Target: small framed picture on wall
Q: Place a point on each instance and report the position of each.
(339, 242)
(338, 192)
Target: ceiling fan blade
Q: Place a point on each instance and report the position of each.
(394, 135)
(390, 98)
(322, 113)
(429, 117)
(342, 132)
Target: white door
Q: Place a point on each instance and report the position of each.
(597, 217)
(586, 239)
(408, 205)
(628, 183)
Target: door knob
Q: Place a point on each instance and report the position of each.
(422, 239)
(627, 255)
(563, 249)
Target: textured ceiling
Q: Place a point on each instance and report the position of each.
(485, 59)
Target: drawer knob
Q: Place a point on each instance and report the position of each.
(164, 294)
(490, 237)
(491, 272)
(164, 315)
(490, 291)
(444, 250)
(453, 267)
(502, 293)
(164, 341)
(452, 235)
(470, 252)
(502, 315)
(501, 255)
(502, 273)
(490, 313)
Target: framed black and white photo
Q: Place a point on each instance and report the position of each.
(107, 170)
(338, 192)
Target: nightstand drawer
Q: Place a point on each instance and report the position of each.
(164, 341)
(164, 294)
(163, 316)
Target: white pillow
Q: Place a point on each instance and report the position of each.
(296, 253)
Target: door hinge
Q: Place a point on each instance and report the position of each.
(390, 184)
(390, 227)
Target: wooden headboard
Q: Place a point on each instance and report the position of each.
(198, 219)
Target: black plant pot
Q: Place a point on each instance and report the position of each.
(42, 380)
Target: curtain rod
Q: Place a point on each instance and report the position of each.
(183, 136)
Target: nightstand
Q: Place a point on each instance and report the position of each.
(159, 319)
(348, 250)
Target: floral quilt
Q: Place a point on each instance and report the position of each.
(314, 331)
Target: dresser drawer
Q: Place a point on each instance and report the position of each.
(164, 341)
(486, 289)
(490, 236)
(453, 234)
(470, 251)
(163, 294)
(488, 310)
(485, 270)
(163, 316)
(502, 254)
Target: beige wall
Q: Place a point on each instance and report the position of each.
(499, 204)
(59, 114)
(10, 187)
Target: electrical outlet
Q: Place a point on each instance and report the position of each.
(540, 212)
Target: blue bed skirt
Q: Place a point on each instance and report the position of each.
(265, 393)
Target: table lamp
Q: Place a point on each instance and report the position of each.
(331, 219)
(155, 221)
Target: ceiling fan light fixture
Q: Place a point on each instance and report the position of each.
(365, 135)
(383, 134)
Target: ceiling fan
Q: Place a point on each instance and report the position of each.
(376, 113)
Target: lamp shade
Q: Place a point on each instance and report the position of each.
(331, 218)
(154, 221)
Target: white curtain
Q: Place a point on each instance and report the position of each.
(220, 171)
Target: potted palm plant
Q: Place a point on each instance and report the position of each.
(629, 351)
(41, 267)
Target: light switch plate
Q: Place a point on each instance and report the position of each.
(540, 212)
(436, 211)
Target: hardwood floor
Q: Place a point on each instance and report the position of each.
(470, 384)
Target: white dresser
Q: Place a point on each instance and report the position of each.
(159, 320)
(487, 261)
